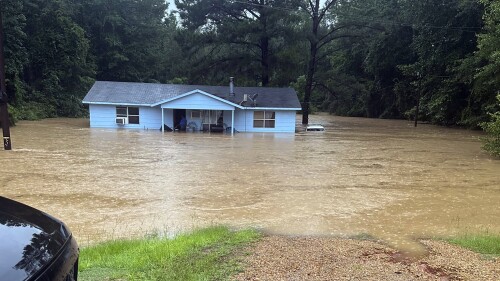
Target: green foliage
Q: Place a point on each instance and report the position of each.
(492, 129)
(16, 56)
(396, 52)
(178, 80)
(206, 254)
(48, 64)
(13, 115)
(485, 67)
(33, 111)
(131, 40)
(61, 70)
(359, 58)
(442, 39)
(225, 38)
(55, 49)
(488, 77)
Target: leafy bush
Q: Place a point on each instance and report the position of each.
(492, 128)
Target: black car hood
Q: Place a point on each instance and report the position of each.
(29, 240)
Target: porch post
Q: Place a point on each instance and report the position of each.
(232, 122)
(162, 120)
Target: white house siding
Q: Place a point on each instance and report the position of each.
(150, 118)
(243, 121)
(103, 116)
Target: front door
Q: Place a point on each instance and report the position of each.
(179, 114)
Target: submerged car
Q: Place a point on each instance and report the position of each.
(315, 128)
(35, 245)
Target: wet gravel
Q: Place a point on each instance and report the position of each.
(313, 258)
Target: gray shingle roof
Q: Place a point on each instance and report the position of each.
(148, 94)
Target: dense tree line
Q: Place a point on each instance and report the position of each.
(372, 58)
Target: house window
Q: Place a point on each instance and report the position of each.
(264, 119)
(130, 112)
(195, 114)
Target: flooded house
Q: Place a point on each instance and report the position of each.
(191, 107)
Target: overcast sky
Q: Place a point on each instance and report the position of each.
(171, 4)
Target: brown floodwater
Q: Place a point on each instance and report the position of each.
(383, 178)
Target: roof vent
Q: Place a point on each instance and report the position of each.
(231, 87)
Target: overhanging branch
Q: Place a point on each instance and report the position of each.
(325, 9)
(335, 29)
(335, 37)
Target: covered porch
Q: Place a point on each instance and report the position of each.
(198, 111)
(197, 120)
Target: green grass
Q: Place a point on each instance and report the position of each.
(485, 243)
(205, 254)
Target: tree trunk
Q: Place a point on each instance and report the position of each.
(311, 66)
(418, 106)
(4, 114)
(264, 45)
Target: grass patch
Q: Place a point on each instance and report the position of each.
(205, 254)
(485, 243)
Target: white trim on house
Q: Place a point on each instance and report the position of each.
(270, 108)
(194, 92)
(116, 103)
(166, 101)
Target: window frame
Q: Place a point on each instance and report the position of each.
(128, 114)
(198, 112)
(264, 121)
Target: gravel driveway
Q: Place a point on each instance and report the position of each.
(312, 258)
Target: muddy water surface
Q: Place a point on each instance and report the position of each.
(378, 177)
